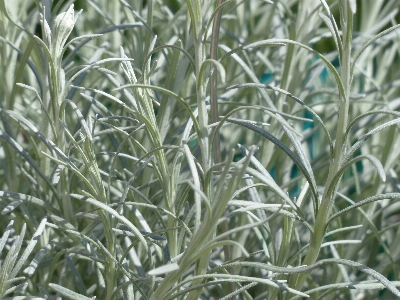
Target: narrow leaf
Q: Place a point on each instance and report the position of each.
(164, 269)
(68, 293)
(32, 243)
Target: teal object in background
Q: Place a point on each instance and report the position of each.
(268, 78)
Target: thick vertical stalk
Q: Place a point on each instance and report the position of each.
(214, 113)
(329, 193)
(203, 114)
(202, 263)
(194, 7)
(197, 25)
(213, 81)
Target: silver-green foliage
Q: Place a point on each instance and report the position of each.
(13, 261)
(200, 149)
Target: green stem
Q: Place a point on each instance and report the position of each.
(203, 121)
(214, 119)
(213, 80)
(328, 196)
(203, 114)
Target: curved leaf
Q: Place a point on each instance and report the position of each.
(302, 269)
(366, 136)
(28, 159)
(371, 41)
(81, 119)
(236, 278)
(6, 233)
(164, 269)
(343, 168)
(113, 212)
(286, 41)
(24, 198)
(372, 112)
(391, 196)
(300, 152)
(217, 64)
(32, 243)
(284, 148)
(309, 109)
(68, 293)
(170, 93)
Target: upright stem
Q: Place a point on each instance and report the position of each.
(197, 25)
(203, 262)
(213, 80)
(320, 223)
(203, 114)
(214, 108)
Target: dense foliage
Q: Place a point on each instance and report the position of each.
(171, 149)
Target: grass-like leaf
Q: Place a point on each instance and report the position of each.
(68, 293)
